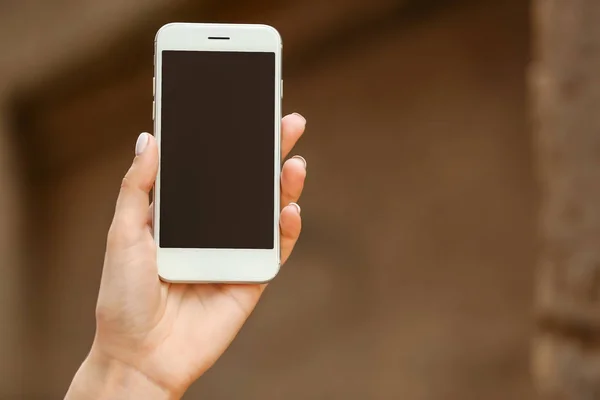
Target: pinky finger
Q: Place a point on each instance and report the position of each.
(290, 225)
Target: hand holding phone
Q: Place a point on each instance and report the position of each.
(154, 338)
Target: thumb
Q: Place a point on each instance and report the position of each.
(132, 205)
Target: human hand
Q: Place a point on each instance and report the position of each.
(153, 339)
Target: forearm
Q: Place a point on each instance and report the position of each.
(99, 379)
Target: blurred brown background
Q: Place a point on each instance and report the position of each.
(414, 275)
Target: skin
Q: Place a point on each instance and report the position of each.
(154, 339)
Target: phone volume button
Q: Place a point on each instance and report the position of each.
(281, 89)
(153, 110)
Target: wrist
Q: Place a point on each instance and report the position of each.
(101, 378)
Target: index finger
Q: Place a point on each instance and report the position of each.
(292, 128)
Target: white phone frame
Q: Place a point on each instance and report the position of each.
(219, 265)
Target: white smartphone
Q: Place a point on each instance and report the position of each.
(217, 121)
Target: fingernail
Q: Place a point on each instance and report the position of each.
(298, 115)
(301, 159)
(142, 142)
(297, 207)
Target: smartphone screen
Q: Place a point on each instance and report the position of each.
(217, 150)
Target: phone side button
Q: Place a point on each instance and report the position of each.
(153, 110)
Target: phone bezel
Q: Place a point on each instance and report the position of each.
(218, 265)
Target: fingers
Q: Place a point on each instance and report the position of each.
(131, 212)
(292, 128)
(293, 175)
(290, 225)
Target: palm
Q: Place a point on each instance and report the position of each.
(199, 323)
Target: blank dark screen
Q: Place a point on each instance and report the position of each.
(217, 150)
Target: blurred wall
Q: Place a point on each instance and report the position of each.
(414, 273)
(11, 219)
